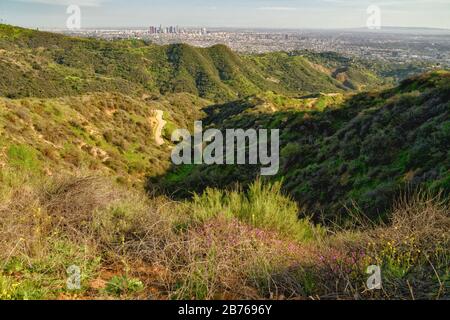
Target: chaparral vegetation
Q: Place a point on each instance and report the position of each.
(85, 180)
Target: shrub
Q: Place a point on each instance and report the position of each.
(73, 199)
(218, 246)
(227, 259)
(262, 205)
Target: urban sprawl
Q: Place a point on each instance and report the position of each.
(396, 44)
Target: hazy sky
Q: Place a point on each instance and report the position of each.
(229, 13)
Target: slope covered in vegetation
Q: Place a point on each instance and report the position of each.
(49, 65)
(77, 125)
(108, 133)
(336, 152)
(222, 245)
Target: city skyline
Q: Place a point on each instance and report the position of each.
(282, 14)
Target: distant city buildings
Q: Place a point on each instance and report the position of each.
(175, 30)
(393, 46)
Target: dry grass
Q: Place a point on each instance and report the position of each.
(224, 259)
(423, 217)
(114, 233)
(412, 249)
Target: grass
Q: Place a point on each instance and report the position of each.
(23, 157)
(88, 132)
(61, 114)
(261, 206)
(120, 285)
(224, 244)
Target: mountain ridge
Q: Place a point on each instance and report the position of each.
(80, 136)
(70, 66)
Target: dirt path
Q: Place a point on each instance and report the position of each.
(159, 124)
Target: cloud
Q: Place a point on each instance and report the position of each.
(82, 3)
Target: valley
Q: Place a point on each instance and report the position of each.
(87, 177)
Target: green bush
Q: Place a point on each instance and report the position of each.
(263, 205)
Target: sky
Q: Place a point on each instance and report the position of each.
(290, 14)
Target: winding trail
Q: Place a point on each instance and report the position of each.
(160, 123)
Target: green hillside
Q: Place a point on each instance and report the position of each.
(107, 133)
(48, 65)
(336, 152)
(80, 141)
(307, 71)
(89, 103)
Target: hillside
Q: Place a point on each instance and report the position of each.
(336, 152)
(43, 64)
(305, 71)
(107, 133)
(85, 125)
